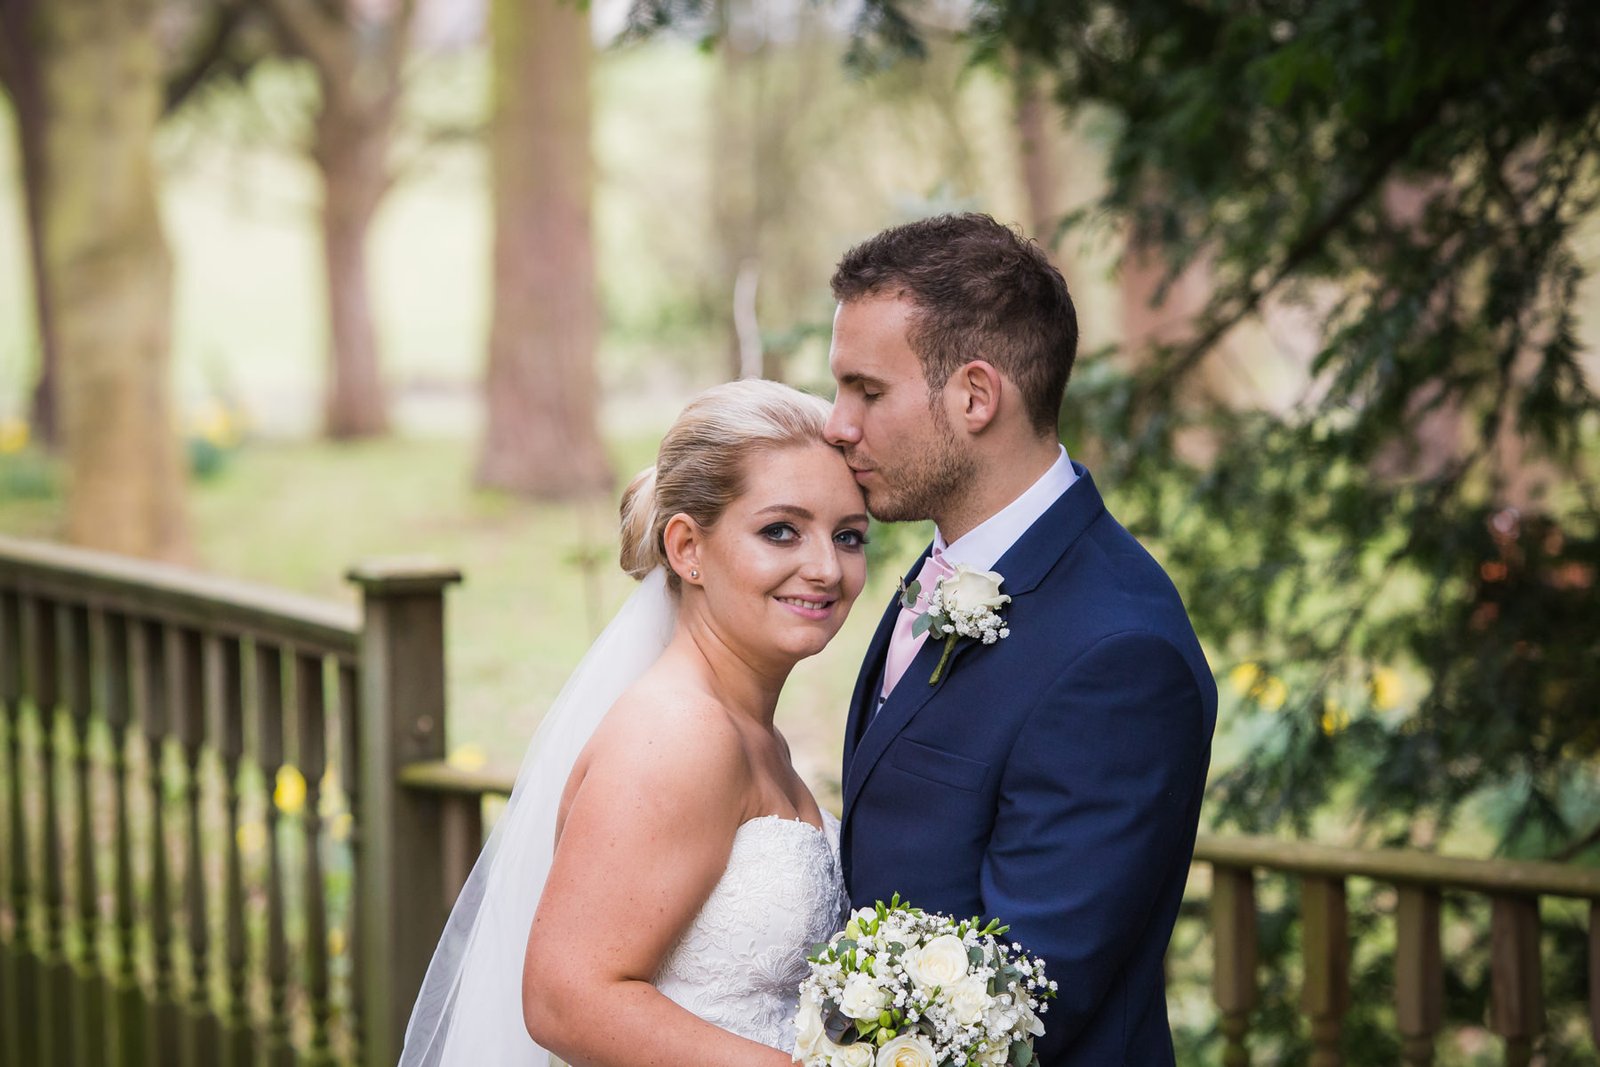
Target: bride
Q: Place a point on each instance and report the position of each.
(660, 871)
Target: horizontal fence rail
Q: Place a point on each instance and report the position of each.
(190, 870)
(228, 836)
(1420, 881)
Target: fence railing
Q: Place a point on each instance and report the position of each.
(207, 856)
(228, 836)
(1223, 890)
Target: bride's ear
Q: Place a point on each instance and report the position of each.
(684, 540)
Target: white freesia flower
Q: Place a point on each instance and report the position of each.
(970, 589)
(863, 997)
(941, 962)
(907, 1050)
(1030, 1021)
(891, 932)
(858, 1055)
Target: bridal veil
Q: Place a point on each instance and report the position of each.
(469, 1011)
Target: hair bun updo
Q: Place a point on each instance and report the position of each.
(641, 542)
(699, 468)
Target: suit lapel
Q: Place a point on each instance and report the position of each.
(1023, 566)
(870, 680)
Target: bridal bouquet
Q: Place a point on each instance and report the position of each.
(901, 987)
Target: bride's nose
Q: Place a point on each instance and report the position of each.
(821, 563)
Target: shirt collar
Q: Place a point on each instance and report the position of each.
(983, 545)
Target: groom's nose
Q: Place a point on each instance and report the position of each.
(843, 428)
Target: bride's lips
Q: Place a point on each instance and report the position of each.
(814, 608)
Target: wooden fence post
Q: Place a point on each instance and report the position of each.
(1325, 922)
(1516, 1006)
(1419, 974)
(1233, 927)
(400, 873)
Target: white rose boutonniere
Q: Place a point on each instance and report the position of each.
(965, 604)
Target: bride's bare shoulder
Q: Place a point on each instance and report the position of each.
(668, 738)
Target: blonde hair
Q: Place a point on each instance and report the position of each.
(699, 469)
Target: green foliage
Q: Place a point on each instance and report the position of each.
(1412, 176)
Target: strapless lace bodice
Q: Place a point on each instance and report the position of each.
(742, 960)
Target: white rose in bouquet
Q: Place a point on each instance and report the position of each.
(942, 962)
(969, 999)
(860, 1054)
(908, 1050)
(808, 1026)
(863, 998)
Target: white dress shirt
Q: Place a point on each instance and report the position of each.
(983, 545)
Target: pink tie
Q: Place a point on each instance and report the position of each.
(903, 647)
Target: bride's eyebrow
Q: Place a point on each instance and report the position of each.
(798, 512)
(787, 509)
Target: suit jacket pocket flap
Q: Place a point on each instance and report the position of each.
(946, 768)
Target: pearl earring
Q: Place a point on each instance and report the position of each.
(694, 574)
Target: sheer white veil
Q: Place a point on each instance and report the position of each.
(469, 1011)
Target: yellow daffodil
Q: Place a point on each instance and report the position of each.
(14, 436)
(290, 794)
(1335, 717)
(1386, 688)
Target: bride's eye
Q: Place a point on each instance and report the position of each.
(780, 533)
(851, 539)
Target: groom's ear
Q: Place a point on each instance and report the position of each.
(683, 539)
(977, 390)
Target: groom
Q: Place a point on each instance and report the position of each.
(1051, 779)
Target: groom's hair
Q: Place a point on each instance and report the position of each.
(981, 291)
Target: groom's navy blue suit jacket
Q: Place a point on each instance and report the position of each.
(1051, 780)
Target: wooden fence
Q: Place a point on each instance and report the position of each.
(229, 836)
(207, 856)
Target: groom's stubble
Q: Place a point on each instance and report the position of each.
(925, 475)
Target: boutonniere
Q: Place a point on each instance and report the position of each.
(964, 604)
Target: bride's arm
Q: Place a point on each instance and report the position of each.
(646, 837)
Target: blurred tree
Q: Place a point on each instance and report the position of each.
(105, 264)
(203, 40)
(773, 69)
(23, 81)
(358, 51)
(542, 437)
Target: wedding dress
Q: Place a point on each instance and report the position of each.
(741, 961)
(738, 965)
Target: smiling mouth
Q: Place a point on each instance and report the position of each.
(805, 604)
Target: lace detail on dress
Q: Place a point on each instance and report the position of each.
(741, 961)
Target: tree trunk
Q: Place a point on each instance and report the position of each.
(352, 149)
(109, 274)
(733, 195)
(1040, 182)
(23, 82)
(543, 435)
